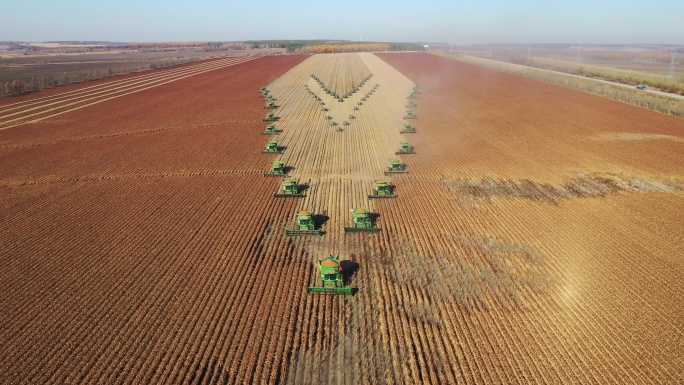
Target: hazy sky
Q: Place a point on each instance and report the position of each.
(455, 21)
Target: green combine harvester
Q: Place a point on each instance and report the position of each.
(277, 169)
(289, 189)
(270, 117)
(271, 105)
(405, 148)
(331, 276)
(416, 89)
(272, 148)
(264, 91)
(382, 189)
(362, 222)
(396, 167)
(410, 115)
(304, 225)
(408, 129)
(270, 130)
(411, 104)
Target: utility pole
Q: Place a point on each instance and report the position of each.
(672, 64)
(579, 56)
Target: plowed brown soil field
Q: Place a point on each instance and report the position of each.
(537, 237)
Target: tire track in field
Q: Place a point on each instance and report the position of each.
(53, 107)
(125, 133)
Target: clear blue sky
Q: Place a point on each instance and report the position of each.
(455, 21)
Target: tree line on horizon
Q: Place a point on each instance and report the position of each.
(40, 82)
(332, 46)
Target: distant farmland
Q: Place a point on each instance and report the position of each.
(535, 238)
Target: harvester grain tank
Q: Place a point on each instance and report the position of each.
(331, 278)
(405, 148)
(362, 222)
(272, 148)
(277, 169)
(304, 225)
(382, 189)
(289, 189)
(396, 167)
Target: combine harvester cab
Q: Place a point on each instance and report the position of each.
(289, 189)
(272, 148)
(304, 225)
(382, 189)
(270, 130)
(331, 277)
(408, 129)
(396, 167)
(362, 222)
(277, 169)
(405, 148)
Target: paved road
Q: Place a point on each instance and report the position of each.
(632, 87)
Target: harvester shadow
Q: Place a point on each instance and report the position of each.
(301, 188)
(374, 216)
(287, 169)
(319, 219)
(349, 268)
